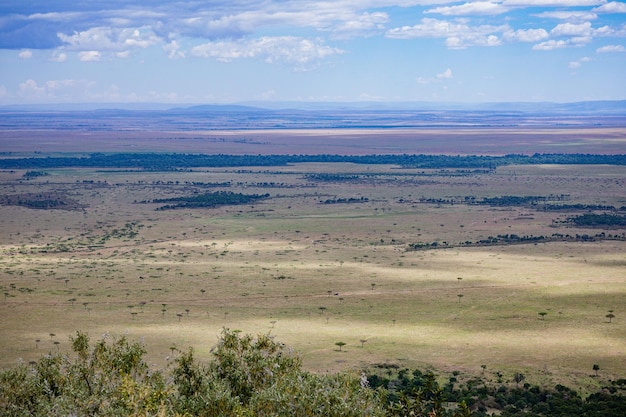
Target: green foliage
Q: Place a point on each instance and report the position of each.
(108, 379)
(257, 376)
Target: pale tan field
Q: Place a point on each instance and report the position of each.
(315, 274)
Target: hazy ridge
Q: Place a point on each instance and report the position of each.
(309, 115)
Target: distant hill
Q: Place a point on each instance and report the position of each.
(313, 115)
(582, 107)
(208, 108)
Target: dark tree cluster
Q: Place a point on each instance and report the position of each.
(512, 238)
(325, 177)
(41, 201)
(598, 220)
(579, 207)
(169, 162)
(35, 174)
(350, 200)
(209, 200)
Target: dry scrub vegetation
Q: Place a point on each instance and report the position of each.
(316, 274)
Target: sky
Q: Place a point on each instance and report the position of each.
(234, 51)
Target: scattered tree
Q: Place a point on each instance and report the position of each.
(340, 344)
(610, 316)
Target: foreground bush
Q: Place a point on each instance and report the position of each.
(249, 376)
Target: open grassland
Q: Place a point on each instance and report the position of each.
(314, 274)
(609, 138)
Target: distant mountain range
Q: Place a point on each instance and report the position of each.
(582, 107)
(305, 115)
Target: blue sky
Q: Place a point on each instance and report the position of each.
(225, 51)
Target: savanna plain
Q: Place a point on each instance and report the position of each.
(395, 262)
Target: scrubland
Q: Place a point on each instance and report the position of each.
(314, 274)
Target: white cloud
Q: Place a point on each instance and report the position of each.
(550, 45)
(458, 33)
(611, 48)
(361, 25)
(89, 56)
(552, 3)
(172, 50)
(526, 35)
(472, 8)
(445, 75)
(579, 34)
(288, 49)
(31, 89)
(569, 15)
(25, 54)
(58, 57)
(577, 64)
(56, 85)
(438, 78)
(109, 39)
(572, 29)
(611, 7)
(56, 90)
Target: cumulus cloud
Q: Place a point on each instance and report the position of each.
(473, 8)
(611, 48)
(361, 25)
(458, 34)
(526, 35)
(25, 54)
(56, 85)
(172, 49)
(572, 29)
(552, 3)
(287, 49)
(577, 64)
(551, 45)
(445, 75)
(58, 57)
(89, 56)
(109, 39)
(612, 7)
(569, 15)
(30, 89)
(442, 76)
(58, 90)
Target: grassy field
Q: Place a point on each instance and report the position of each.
(315, 274)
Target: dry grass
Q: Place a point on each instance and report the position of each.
(271, 266)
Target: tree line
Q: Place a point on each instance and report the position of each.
(209, 200)
(176, 161)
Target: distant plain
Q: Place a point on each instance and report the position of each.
(314, 274)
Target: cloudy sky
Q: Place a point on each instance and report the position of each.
(225, 51)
